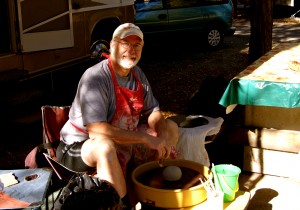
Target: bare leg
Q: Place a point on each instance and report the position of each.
(101, 153)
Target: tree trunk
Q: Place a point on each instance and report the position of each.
(261, 28)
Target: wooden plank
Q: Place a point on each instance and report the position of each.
(272, 139)
(272, 117)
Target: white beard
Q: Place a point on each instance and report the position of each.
(126, 63)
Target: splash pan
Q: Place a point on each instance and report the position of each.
(170, 198)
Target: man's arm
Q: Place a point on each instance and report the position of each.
(122, 136)
(165, 130)
(157, 122)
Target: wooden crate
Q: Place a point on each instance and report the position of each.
(272, 117)
(272, 162)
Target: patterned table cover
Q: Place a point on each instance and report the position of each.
(268, 81)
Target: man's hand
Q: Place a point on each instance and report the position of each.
(161, 146)
(167, 134)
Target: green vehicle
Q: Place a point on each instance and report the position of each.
(212, 19)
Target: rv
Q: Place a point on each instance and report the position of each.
(44, 42)
(40, 35)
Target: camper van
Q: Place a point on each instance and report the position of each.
(40, 35)
(43, 43)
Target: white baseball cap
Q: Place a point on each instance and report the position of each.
(128, 29)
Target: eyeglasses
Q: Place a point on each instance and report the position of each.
(127, 45)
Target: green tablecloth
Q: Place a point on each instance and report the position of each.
(269, 81)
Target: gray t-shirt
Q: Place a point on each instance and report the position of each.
(95, 99)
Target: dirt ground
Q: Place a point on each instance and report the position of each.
(176, 68)
(176, 76)
(181, 66)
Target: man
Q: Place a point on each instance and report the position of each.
(104, 130)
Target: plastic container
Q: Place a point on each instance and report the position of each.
(227, 180)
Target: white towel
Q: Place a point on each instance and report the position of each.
(191, 143)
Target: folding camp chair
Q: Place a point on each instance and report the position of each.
(53, 119)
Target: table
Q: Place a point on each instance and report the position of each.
(31, 191)
(270, 94)
(267, 82)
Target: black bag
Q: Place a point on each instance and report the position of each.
(87, 192)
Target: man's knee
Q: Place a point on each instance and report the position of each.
(101, 145)
(93, 149)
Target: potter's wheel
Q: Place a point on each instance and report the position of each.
(193, 121)
(156, 195)
(189, 121)
(154, 178)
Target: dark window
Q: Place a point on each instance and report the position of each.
(182, 3)
(193, 3)
(141, 5)
(212, 2)
(4, 27)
